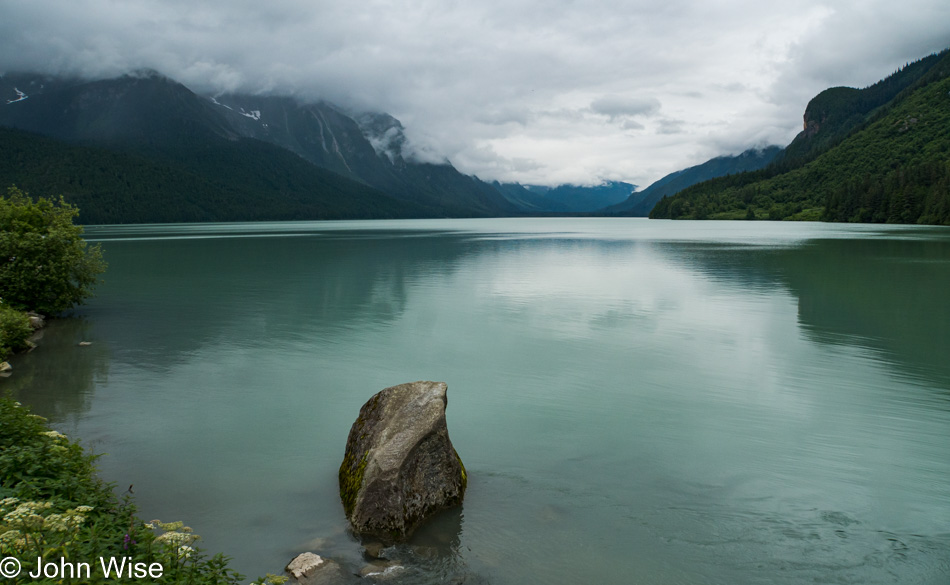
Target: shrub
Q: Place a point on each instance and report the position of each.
(45, 265)
(52, 505)
(14, 330)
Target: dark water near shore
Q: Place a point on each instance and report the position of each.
(635, 401)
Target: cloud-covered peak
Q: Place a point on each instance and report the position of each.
(519, 90)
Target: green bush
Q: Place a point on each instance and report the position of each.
(45, 265)
(52, 505)
(14, 330)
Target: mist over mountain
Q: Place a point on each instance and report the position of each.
(370, 147)
(268, 147)
(153, 150)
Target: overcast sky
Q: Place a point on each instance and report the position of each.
(541, 92)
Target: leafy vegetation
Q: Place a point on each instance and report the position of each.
(892, 167)
(45, 265)
(14, 330)
(835, 113)
(53, 506)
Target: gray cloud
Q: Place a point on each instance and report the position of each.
(667, 126)
(618, 106)
(540, 92)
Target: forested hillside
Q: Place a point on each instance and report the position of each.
(856, 160)
(640, 203)
(117, 187)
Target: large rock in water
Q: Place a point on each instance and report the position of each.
(400, 465)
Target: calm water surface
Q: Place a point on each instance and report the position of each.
(635, 401)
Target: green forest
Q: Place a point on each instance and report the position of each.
(880, 154)
(245, 180)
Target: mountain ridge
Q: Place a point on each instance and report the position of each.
(878, 154)
(640, 203)
(565, 198)
(148, 115)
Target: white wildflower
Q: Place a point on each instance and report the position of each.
(27, 513)
(12, 538)
(57, 522)
(176, 539)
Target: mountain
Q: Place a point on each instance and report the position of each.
(878, 154)
(834, 113)
(112, 186)
(370, 148)
(564, 198)
(640, 203)
(247, 157)
(144, 109)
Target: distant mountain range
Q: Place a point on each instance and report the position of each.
(640, 203)
(878, 154)
(144, 148)
(564, 198)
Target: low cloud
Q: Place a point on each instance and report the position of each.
(572, 92)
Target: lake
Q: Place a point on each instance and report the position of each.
(636, 401)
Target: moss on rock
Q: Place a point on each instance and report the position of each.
(400, 466)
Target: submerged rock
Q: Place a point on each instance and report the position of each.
(37, 321)
(381, 569)
(312, 569)
(305, 565)
(400, 466)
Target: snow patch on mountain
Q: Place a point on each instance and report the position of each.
(252, 114)
(217, 103)
(20, 96)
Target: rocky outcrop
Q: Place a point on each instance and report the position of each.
(400, 466)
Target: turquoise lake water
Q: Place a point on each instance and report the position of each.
(636, 401)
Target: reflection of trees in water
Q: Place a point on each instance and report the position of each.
(888, 293)
(884, 294)
(58, 378)
(185, 294)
